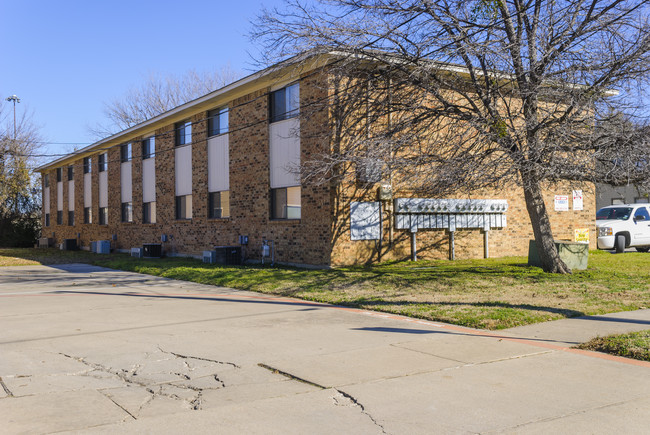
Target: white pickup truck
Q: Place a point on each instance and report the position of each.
(624, 226)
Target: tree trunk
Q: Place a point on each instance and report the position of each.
(548, 254)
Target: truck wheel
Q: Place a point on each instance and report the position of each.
(620, 243)
(643, 249)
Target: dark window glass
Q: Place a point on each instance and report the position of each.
(127, 212)
(642, 214)
(219, 204)
(125, 153)
(218, 121)
(87, 165)
(184, 207)
(620, 213)
(183, 133)
(46, 180)
(149, 212)
(103, 216)
(47, 219)
(88, 215)
(59, 174)
(70, 217)
(148, 148)
(285, 203)
(102, 163)
(59, 217)
(71, 172)
(284, 103)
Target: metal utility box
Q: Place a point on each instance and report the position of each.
(93, 247)
(209, 257)
(45, 242)
(228, 254)
(574, 254)
(152, 250)
(136, 252)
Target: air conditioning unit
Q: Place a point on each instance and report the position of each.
(93, 247)
(45, 242)
(104, 247)
(210, 257)
(69, 245)
(136, 252)
(152, 250)
(228, 254)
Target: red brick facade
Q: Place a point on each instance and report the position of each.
(320, 237)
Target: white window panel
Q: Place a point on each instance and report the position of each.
(218, 164)
(284, 150)
(149, 180)
(59, 196)
(103, 189)
(71, 195)
(183, 170)
(88, 190)
(46, 199)
(126, 184)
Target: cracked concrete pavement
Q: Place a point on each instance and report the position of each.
(86, 349)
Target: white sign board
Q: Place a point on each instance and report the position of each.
(577, 200)
(561, 202)
(365, 223)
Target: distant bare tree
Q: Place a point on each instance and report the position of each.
(466, 95)
(159, 94)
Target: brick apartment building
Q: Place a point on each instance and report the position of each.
(220, 167)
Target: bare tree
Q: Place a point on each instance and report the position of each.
(159, 94)
(480, 93)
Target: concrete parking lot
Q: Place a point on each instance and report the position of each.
(86, 349)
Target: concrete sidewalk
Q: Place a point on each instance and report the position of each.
(95, 350)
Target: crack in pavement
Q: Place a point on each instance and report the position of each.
(178, 355)
(349, 398)
(7, 390)
(108, 396)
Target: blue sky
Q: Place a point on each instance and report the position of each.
(65, 58)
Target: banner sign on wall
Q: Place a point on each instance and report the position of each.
(577, 199)
(561, 202)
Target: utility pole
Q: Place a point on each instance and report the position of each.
(15, 100)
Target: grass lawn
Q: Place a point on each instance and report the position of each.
(633, 345)
(490, 294)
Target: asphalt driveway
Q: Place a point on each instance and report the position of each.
(96, 350)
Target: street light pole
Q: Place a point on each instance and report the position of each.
(15, 100)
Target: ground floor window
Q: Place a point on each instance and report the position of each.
(71, 217)
(285, 203)
(103, 215)
(47, 219)
(184, 207)
(59, 217)
(88, 215)
(127, 212)
(219, 204)
(149, 213)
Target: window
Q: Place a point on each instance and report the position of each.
(218, 121)
(183, 133)
(46, 180)
(59, 174)
(219, 204)
(184, 207)
(148, 148)
(641, 214)
(103, 215)
(284, 103)
(285, 203)
(87, 165)
(102, 163)
(125, 153)
(88, 215)
(127, 212)
(149, 212)
(59, 217)
(70, 172)
(71, 217)
(47, 219)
